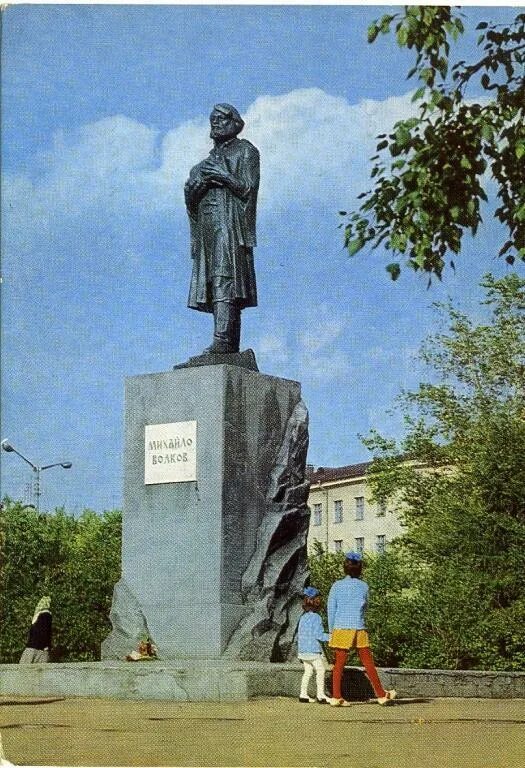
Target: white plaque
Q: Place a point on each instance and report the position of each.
(170, 452)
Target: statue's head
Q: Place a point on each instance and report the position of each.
(225, 122)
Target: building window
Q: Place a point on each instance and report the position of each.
(380, 544)
(359, 507)
(359, 544)
(338, 545)
(338, 511)
(318, 514)
(381, 509)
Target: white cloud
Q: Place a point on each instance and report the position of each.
(272, 350)
(321, 333)
(324, 348)
(326, 367)
(318, 353)
(314, 146)
(321, 347)
(314, 149)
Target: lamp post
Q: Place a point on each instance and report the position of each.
(6, 445)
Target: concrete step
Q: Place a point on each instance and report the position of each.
(227, 680)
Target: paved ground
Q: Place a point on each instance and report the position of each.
(429, 733)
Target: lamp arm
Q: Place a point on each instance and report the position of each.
(33, 466)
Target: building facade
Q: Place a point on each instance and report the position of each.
(343, 517)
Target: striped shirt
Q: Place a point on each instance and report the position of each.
(346, 605)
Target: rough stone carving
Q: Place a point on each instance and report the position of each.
(273, 581)
(128, 622)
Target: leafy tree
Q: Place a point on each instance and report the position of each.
(459, 483)
(325, 568)
(29, 554)
(74, 560)
(431, 171)
(389, 576)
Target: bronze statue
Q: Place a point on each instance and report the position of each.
(221, 198)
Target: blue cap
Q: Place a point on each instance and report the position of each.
(357, 556)
(310, 592)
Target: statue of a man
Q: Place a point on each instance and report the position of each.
(221, 197)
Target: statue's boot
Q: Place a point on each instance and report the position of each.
(227, 328)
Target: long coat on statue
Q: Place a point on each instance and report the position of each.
(223, 231)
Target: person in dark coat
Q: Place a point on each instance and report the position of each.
(221, 198)
(39, 638)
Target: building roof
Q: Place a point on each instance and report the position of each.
(329, 474)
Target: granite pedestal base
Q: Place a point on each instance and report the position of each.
(200, 557)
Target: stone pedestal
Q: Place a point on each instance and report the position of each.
(223, 554)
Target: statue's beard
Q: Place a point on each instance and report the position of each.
(222, 135)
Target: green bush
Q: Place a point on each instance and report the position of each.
(429, 617)
(75, 560)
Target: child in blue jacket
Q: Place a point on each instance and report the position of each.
(310, 634)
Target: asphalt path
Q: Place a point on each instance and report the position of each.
(265, 732)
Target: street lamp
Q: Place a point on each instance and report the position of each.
(6, 445)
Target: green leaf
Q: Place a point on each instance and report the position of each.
(355, 245)
(373, 31)
(402, 136)
(419, 93)
(398, 241)
(443, 67)
(402, 36)
(394, 270)
(384, 24)
(487, 131)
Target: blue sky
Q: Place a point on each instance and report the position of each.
(104, 111)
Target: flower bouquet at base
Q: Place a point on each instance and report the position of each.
(146, 651)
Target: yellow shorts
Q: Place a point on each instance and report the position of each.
(349, 638)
